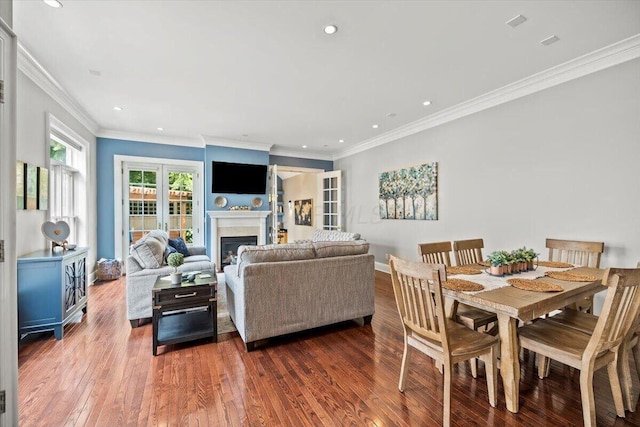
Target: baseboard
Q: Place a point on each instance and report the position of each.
(381, 266)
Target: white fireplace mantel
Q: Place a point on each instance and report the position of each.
(235, 219)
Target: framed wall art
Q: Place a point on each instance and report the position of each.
(43, 189)
(303, 210)
(410, 193)
(20, 204)
(31, 184)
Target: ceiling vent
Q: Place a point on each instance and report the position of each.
(515, 21)
(549, 40)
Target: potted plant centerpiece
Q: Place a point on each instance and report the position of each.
(529, 256)
(498, 261)
(175, 260)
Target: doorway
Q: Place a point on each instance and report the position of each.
(160, 194)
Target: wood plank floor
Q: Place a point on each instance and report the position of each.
(103, 374)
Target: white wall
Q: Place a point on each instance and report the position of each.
(563, 163)
(33, 147)
(299, 187)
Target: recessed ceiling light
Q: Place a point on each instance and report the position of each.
(341, 141)
(116, 108)
(391, 115)
(304, 146)
(426, 103)
(53, 3)
(515, 21)
(330, 29)
(160, 129)
(375, 126)
(550, 40)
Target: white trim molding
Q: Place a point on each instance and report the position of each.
(182, 141)
(41, 77)
(381, 266)
(615, 54)
(232, 143)
(288, 152)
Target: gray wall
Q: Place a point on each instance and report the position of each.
(33, 147)
(562, 163)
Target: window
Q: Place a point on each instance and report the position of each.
(66, 164)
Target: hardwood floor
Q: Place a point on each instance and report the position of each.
(103, 374)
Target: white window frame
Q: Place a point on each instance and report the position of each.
(79, 221)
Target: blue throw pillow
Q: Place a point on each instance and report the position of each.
(168, 251)
(179, 245)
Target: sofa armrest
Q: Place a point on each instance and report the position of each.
(132, 265)
(197, 250)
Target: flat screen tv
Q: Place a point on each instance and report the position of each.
(238, 178)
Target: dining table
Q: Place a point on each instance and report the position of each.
(511, 305)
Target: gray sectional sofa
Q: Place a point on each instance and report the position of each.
(280, 289)
(146, 263)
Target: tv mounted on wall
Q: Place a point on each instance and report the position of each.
(238, 178)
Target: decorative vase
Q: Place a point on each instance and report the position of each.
(176, 278)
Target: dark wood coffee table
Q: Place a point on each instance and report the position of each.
(185, 312)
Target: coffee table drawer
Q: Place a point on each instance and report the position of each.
(182, 296)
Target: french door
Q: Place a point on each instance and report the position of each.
(329, 213)
(160, 196)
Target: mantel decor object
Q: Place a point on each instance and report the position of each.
(57, 233)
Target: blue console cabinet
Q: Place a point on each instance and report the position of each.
(52, 288)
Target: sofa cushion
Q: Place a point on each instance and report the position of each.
(196, 258)
(333, 249)
(149, 251)
(273, 253)
(168, 251)
(179, 246)
(333, 236)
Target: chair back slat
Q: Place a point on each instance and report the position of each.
(585, 254)
(619, 312)
(416, 287)
(435, 253)
(468, 251)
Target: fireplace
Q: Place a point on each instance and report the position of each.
(229, 248)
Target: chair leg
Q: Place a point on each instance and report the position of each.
(446, 416)
(624, 374)
(404, 366)
(543, 366)
(586, 394)
(491, 372)
(612, 369)
(474, 367)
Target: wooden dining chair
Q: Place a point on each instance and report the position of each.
(586, 323)
(472, 317)
(580, 253)
(589, 352)
(468, 251)
(418, 294)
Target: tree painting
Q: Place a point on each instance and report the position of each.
(409, 193)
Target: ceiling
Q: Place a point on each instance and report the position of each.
(264, 71)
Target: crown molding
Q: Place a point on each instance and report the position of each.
(150, 138)
(609, 56)
(31, 68)
(232, 143)
(278, 151)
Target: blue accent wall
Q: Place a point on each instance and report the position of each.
(106, 149)
(327, 165)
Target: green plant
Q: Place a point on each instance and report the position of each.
(529, 254)
(175, 260)
(497, 258)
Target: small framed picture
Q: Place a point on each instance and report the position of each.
(31, 184)
(20, 196)
(43, 189)
(303, 210)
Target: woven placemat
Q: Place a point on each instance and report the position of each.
(462, 285)
(570, 276)
(554, 264)
(534, 285)
(464, 270)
